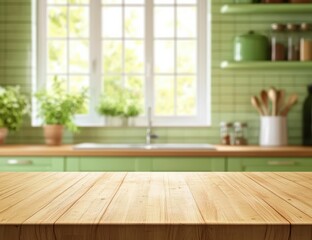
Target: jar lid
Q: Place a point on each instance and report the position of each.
(240, 124)
(278, 27)
(305, 26)
(292, 27)
(251, 34)
(226, 124)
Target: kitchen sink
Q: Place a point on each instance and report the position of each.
(99, 146)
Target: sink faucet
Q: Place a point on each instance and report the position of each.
(149, 133)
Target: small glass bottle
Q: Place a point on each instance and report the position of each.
(240, 133)
(278, 42)
(225, 132)
(293, 42)
(306, 42)
(307, 119)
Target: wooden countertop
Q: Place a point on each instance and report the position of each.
(221, 151)
(156, 206)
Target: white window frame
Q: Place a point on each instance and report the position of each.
(203, 117)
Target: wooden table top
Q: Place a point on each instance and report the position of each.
(152, 206)
(221, 151)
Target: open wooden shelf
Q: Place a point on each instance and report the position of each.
(269, 65)
(283, 8)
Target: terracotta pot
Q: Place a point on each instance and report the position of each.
(53, 134)
(3, 134)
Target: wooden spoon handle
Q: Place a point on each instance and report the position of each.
(256, 104)
(291, 102)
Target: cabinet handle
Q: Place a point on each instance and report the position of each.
(281, 163)
(19, 162)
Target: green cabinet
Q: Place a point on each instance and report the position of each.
(157, 164)
(31, 164)
(144, 164)
(183, 164)
(241, 164)
(113, 164)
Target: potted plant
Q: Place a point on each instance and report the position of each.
(57, 108)
(13, 107)
(119, 107)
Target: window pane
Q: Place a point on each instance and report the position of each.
(111, 1)
(57, 1)
(186, 1)
(134, 1)
(164, 95)
(136, 84)
(61, 78)
(164, 22)
(79, 56)
(57, 56)
(79, 21)
(112, 56)
(134, 57)
(164, 56)
(186, 23)
(110, 83)
(134, 22)
(76, 84)
(79, 1)
(112, 22)
(186, 95)
(186, 56)
(57, 22)
(163, 1)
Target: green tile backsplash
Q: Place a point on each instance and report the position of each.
(231, 90)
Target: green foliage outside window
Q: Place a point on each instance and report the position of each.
(13, 107)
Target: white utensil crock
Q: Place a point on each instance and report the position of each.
(273, 131)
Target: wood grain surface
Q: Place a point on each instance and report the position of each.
(221, 151)
(156, 206)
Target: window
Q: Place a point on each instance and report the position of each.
(157, 48)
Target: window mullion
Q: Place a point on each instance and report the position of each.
(203, 88)
(149, 55)
(95, 55)
(175, 42)
(67, 47)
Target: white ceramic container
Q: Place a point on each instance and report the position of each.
(273, 131)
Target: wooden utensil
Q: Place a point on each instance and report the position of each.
(292, 100)
(257, 105)
(273, 97)
(280, 100)
(265, 102)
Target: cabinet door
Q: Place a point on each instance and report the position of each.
(269, 164)
(186, 164)
(31, 164)
(110, 164)
(144, 164)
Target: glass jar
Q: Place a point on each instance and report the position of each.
(278, 42)
(225, 132)
(306, 42)
(293, 42)
(240, 133)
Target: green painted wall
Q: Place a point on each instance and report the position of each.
(231, 90)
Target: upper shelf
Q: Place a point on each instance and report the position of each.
(268, 65)
(266, 8)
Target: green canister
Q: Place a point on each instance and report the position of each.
(251, 47)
